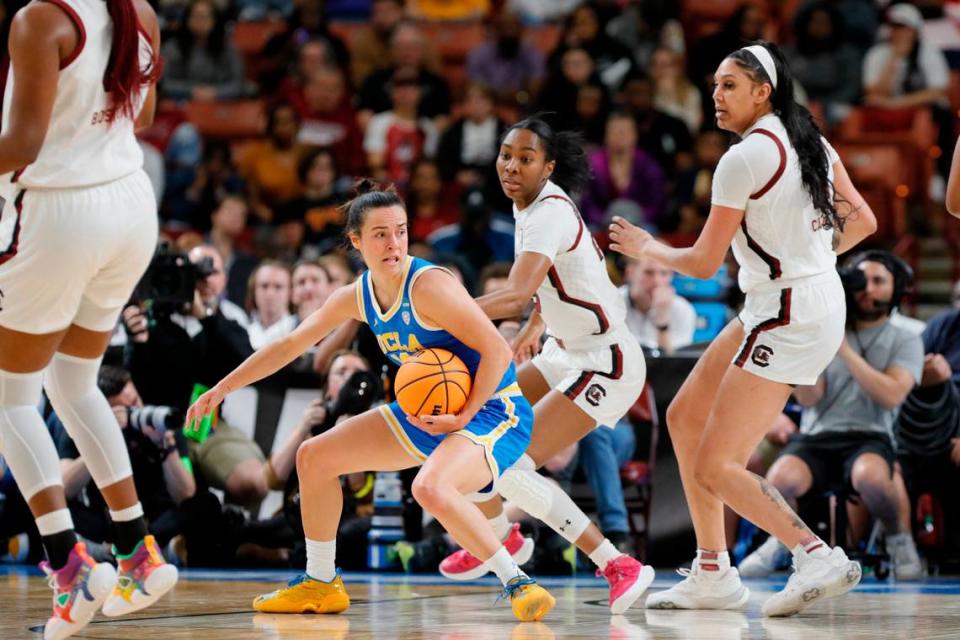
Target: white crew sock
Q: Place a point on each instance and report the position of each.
(320, 559)
(605, 553)
(502, 564)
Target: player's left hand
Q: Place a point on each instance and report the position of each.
(627, 238)
(438, 425)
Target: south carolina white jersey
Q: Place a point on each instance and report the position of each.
(87, 142)
(577, 300)
(782, 237)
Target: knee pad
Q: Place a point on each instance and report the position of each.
(24, 440)
(71, 385)
(545, 501)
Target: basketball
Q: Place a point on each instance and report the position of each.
(434, 382)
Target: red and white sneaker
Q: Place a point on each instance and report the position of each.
(462, 565)
(79, 588)
(628, 579)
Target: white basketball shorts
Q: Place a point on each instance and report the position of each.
(74, 256)
(793, 332)
(604, 382)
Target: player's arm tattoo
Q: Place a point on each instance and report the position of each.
(774, 496)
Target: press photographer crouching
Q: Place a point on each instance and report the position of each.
(183, 336)
(349, 388)
(846, 430)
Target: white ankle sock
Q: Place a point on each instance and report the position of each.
(604, 554)
(721, 559)
(502, 564)
(816, 548)
(320, 559)
(501, 526)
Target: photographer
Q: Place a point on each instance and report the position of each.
(157, 451)
(846, 431)
(174, 346)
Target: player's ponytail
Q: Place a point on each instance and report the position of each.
(572, 171)
(370, 195)
(802, 130)
(124, 76)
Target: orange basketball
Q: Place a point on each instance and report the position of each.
(432, 382)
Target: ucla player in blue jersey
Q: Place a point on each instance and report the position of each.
(409, 304)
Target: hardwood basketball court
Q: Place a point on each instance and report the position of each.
(216, 605)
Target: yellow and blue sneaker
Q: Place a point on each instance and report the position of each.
(303, 594)
(528, 600)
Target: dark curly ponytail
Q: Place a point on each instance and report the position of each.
(802, 130)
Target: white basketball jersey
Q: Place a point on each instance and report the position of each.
(87, 142)
(782, 237)
(577, 300)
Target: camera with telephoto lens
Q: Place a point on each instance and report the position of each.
(358, 394)
(854, 281)
(170, 281)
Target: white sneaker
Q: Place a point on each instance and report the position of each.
(903, 554)
(702, 590)
(769, 557)
(812, 580)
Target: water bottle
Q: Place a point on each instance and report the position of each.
(386, 526)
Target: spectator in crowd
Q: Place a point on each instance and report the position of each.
(338, 268)
(311, 57)
(643, 26)
(625, 180)
(510, 66)
(201, 63)
(257, 10)
(396, 139)
(656, 315)
(228, 223)
(157, 451)
(268, 300)
(213, 179)
(575, 70)
(662, 136)
(370, 49)
(430, 203)
(314, 218)
(584, 28)
(308, 25)
(310, 286)
(674, 94)
(468, 148)
(537, 11)
(823, 61)
(846, 431)
(591, 109)
(903, 71)
(695, 184)
(481, 236)
(328, 119)
(407, 58)
(928, 428)
(270, 168)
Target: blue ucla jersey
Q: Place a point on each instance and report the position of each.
(401, 332)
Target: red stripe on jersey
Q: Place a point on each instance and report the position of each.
(782, 320)
(593, 307)
(780, 168)
(772, 263)
(579, 219)
(11, 251)
(581, 383)
(79, 23)
(577, 387)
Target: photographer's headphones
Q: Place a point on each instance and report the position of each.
(898, 267)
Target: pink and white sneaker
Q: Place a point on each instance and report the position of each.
(628, 579)
(79, 587)
(462, 565)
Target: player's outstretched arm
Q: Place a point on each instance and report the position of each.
(339, 307)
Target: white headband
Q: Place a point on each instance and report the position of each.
(766, 61)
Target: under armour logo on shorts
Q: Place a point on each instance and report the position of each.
(595, 394)
(761, 355)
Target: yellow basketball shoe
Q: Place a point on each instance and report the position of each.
(528, 600)
(303, 594)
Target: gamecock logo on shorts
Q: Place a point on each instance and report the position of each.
(595, 393)
(761, 355)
